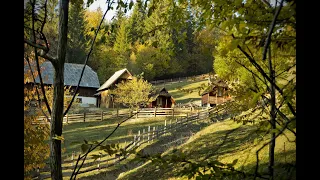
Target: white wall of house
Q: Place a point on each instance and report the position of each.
(85, 101)
(88, 100)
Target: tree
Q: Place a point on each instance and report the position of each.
(34, 37)
(77, 40)
(246, 35)
(133, 93)
(122, 46)
(135, 23)
(35, 135)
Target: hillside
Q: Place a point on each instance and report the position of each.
(224, 141)
(183, 96)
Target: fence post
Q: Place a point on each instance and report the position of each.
(173, 112)
(155, 111)
(138, 137)
(99, 161)
(134, 139)
(137, 113)
(198, 118)
(67, 118)
(157, 131)
(84, 117)
(101, 115)
(72, 158)
(148, 134)
(143, 133)
(117, 112)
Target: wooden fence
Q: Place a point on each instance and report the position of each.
(142, 113)
(179, 79)
(143, 136)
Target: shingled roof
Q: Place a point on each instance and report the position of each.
(72, 74)
(113, 79)
(159, 92)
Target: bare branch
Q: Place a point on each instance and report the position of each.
(38, 95)
(47, 56)
(268, 40)
(87, 58)
(97, 145)
(286, 70)
(266, 3)
(252, 73)
(257, 152)
(36, 45)
(258, 67)
(281, 114)
(37, 60)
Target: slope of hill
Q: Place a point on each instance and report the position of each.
(176, 89)
(225, 141)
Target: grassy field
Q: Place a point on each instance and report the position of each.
(185, 97)
(75, 133)
(224, 141)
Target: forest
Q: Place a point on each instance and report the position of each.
(248, 44)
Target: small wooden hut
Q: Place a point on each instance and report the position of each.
(215, 94)
(161, 98)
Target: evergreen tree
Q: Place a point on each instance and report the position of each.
(77, 41)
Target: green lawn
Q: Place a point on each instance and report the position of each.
(185, 97)
(75, 133)
(224, 141)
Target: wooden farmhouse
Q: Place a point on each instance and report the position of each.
(161, 98)
(215, 94)
(104, 97)
(88, 85)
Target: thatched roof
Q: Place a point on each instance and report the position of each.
(118, 74)
(72, 74)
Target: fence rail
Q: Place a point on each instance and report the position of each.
(148, 135)
(142, 113)
(179, 79)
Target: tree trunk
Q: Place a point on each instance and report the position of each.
(272, 119)
(58, 93)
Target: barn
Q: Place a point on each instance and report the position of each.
(88, 85)
(104, 97)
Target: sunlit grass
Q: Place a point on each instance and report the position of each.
(185, 97)
(225, 141)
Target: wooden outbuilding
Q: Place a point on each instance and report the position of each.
(104, 97)
(216, 93)
(161, 98)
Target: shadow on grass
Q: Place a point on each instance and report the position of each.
(215, 144)
(151, 149)
(75, 133)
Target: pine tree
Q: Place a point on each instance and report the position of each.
(77, 41)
